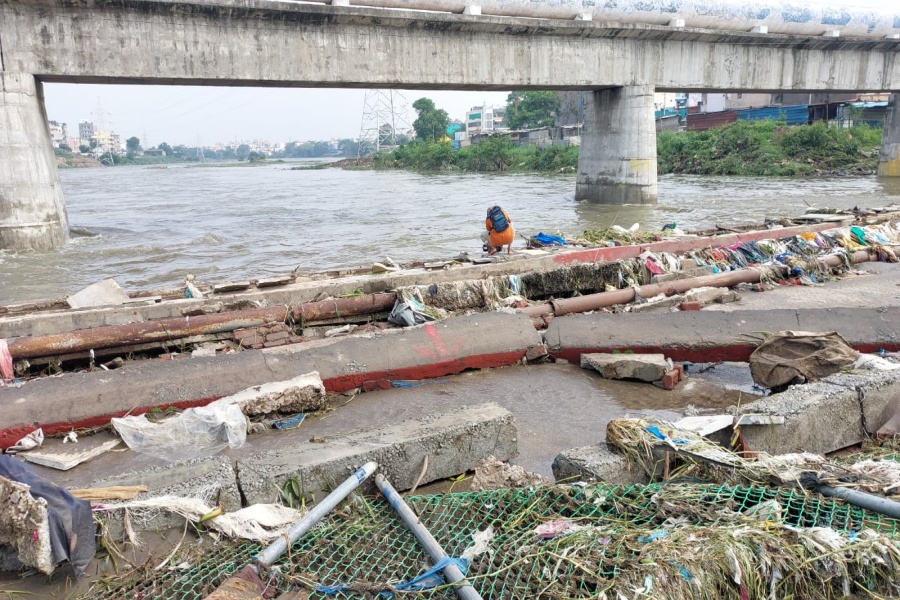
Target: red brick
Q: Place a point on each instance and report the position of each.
(296, 339)
(276, 328)
(255, 346)
(249, 342)
(275, 337)
(690, 306)
(275, 343)
(680, 369)
(241, 334)
(377, 384)
(668, 381)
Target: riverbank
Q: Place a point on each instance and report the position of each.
(744, 148)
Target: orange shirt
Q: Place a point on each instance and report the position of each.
(503, 238)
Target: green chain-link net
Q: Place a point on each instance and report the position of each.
(365, 544)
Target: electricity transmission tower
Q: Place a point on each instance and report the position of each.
(384, 120)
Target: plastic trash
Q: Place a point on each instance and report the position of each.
(408, 311)
(29, 442)
(6, 363)
(194, 433)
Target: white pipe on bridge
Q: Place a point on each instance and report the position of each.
(811, 18)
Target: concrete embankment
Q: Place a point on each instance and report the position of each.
(451, 346)
(709, 336)
(87, 399)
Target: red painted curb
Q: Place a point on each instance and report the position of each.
(341, 383)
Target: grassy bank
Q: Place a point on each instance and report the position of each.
(760, 148)
(748, 148)
(495, 154)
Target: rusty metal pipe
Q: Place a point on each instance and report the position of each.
(113, 336)
(591, 302)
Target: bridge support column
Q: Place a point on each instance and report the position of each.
(617, 164)
(32, 212)
(889, 157)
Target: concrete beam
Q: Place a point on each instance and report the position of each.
(839, 411)
(432, 350)
(599, 463)
(453, 443)
(212, 478)
(617, 162)
(710, 336)
(235, 42)
(889, 156)
(32, 212)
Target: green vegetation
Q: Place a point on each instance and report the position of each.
(754, 148)
(746, 148)
(493, 154)
(527, 110)
(432, 122)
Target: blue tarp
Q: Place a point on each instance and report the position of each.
(793, 115)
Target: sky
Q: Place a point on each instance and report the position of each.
(188, 115)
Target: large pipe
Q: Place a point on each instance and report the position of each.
(793, 18)
(113, 336)
(603, 299)
(884, 506)
(452, 574)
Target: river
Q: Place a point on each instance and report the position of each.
(148, 227)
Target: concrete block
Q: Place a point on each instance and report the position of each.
(704, 295)
(536, 354)
(454, 442)
(645, 367)
(665, 303)
(300, 394)
(819, 417)
(102, 293)
(728, 297)
(596, 463)
(212, 478)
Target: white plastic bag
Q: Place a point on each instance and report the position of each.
(195, 433)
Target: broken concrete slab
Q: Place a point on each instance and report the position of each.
(600, 463)
(705, 425)
(212, 478)
(841, 410)
(102, 293)
(818, 417)
(454, 442)
(24, 528)
(61, 456)
(304, 393)
(704, 295)
(644, 367)
(493, 474)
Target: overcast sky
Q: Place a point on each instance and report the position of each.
(182, 115)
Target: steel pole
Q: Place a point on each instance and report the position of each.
(452, 573)
(271, 553)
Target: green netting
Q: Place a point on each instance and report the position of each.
(367, 546)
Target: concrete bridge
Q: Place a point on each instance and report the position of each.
(280, 44)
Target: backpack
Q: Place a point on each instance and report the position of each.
(498, 220)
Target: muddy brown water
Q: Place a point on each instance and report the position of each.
(148, 227)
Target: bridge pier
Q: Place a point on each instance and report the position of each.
(32, 212)
(889, 157)
(617, 164)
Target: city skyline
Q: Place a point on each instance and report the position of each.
(192, 115)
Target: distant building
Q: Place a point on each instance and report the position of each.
(485, 119)
(59, 133)
(85, 132)
(154, 152)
